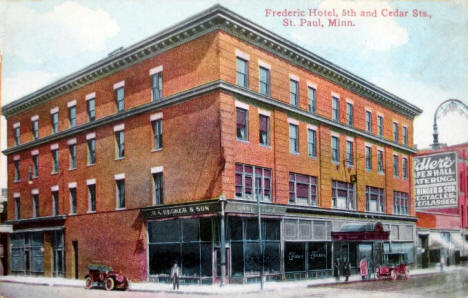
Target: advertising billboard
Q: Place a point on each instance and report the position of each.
(436, 181)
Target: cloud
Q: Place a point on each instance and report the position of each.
(369, 33)
(23, 83)
(66, 30)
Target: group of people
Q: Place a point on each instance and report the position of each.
(343, 267)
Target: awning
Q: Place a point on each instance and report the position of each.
(360, 232)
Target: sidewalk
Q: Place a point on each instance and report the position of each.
(210, 289)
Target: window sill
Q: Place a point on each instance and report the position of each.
(265, 146)
(156, 150)
(336, 162)
(71, 214)
(381, 173)
(16, 181)
(350, 166)
(295, 153)
(91, 165)
(71, 169)
(369, 170)
(243, 141)
(314, 157)
(119, 158)
(54, 173)
(90, 211)
(120, 209)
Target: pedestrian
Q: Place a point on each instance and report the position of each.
(347, 270)
(336, 269)
(370, 268)
(363, 268)
(442, 261)
(175, 274)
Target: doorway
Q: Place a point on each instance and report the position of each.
(75, 257)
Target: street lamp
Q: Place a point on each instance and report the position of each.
(223, 201)
(260, 240)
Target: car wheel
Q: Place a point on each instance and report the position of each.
(109, 284)
(394, 275)
(89, 282)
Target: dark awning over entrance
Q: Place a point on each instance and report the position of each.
(359, 232)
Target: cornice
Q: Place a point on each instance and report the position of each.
(214, 18)
(197, 91)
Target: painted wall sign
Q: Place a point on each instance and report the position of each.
(436, 181)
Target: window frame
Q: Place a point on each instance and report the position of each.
(405, 135)
(368, 157)
(158, 188)
(396, 166)
(312, 100)
(400, 203)
(368, 121)
(312, 143)
(72, 116)
(35, 169)
(72, 156)
(91, 151)
(120, 193)
(349, 153)
(17, 208)
(380, 161)
(380, 125)
(396, 135)
(119, 102)
(335, 108)
(380, 192)
(294, 142)
(242, 70)
(55, 161)
(55, 202)
(254, 191)
(73, 205)
(119, 139)
(293, 97)
(335, 145)
(266, 133)
(91, 197)
(350, 113)
(266, 83)
(312, 198)
(54, 119)
(404, 168)
(156, 88)
(91, 109)
(157, 128)
(350, 187)
(17, 172)
(17, 135)
(245, 138)
(35, 201)
(35, 129)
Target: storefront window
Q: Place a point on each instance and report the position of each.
(294, 256)
(319, 257)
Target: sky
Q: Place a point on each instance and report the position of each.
(421, 56)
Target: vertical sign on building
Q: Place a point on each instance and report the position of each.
(436, 181)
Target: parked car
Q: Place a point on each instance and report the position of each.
(395, 266)
(102, 275)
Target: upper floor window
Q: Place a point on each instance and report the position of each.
(55, 202)
(264, 130)
(119, 144)
(72, 150)
(343, 195)
(35, 170)
(91, 108)
(312, 99)
(380, 160)
(380, 126)
(55, 160)
(335, 108)
(158, 188)
(242, 72)
(375, 199)
(54, 119)
(350, 113)
(404, 166)
(349, 153)
(35, 200)
(368, 158)
(17, 208)
(72, 200)
(120, 98)
(157, 133)
(312, 142)
(72, 116)
(91, 144)
(17, 135)
(369, 121)
(400, 203)
(395, 131)
(17, 170)
(395, 166)
(264, 81)
(156, 86)
(293, 138)
(293, 92)
(302, 189)
(242, 124)
(120, 193)
(92, 197)
(35, 129)
(405, 135)
(253, 183)
(335, 149)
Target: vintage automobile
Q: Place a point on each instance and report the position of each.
(104, 275)
(394, 267)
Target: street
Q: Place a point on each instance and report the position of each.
(452, 284)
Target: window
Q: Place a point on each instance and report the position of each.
(91, 108)
(343, 195)
(302, 189)
(158, 188)
(35, 172)
(380, 160)
(72, 116)
(312, 99)
(375, 200)
(35, 205)
(335, 149)
(349, 153)
(293, 92)
(242, 124)
(405, 135)
(55, 161)
(395, 166)
(242, 72)
(72, 200)
(120, 144)
(91, 151)
(54, 121)
(368, 121)
(349, 113)
(55, 203)
(380, 126)
(312, 142)
(264, 81)
(293, 139)
(400, 203)
(17, 135)
(92, 197)
(120, 193)
(17, 170)
(157, 134)
(35, 129)
(120, 99)
(17, 208)
(368, 158)
(335, 108)
(395, 131)
(156, 86)
(264, 130)
(253, 183)
(404, 166)
(72, 149)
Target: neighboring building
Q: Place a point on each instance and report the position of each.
(442, 224)
(128, 159)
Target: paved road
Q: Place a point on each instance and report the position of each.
(453, 284)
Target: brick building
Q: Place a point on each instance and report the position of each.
(127, 161)
(443, 230)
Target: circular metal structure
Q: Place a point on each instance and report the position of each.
(450, 105)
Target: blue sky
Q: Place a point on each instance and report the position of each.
(423, 60)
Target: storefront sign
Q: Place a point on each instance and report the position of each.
(181, 210)
(436, 180)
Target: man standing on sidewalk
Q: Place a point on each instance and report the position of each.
(336, 269)
(175, 273)
(363, 268)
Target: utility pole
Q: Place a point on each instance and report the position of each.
(260, 240)
(222, 199)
